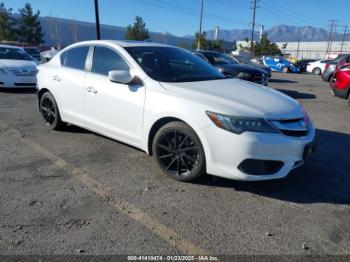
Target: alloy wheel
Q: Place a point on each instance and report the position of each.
(177, 152)
(48, 110)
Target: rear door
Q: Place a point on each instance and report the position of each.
(70, 84)
(113, 108)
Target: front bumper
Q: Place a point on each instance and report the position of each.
(342, 93)
(7, 81)
(225, 151)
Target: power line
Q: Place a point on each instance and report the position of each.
(189, 11)
(290, 14)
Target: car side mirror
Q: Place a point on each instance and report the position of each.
(120, 76)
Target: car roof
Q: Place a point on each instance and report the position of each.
(207, 52)
(10, 46)
(123, 43)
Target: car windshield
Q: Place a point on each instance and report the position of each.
(340, 58)
(169, 64)
(243, 60)
(14, 54)
(218, 58)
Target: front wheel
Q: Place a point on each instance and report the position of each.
(49, 111)
(285, 69)
(316, 71)
(179, 152)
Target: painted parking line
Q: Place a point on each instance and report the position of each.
(166, 233)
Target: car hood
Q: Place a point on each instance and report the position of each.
(14, 64)
(237, 97)
(242, 67)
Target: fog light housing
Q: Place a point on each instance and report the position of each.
(260, 167)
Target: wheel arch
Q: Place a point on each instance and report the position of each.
(156, 126)
(40, 94)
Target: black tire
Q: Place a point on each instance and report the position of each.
(49, 111)
(179, 152)
(316, 71)
(349, 100)
(285, 69)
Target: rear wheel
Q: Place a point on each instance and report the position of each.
(316, 71)
(179, 152)
(285, 69)
(49, 111)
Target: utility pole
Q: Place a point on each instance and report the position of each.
(342, 42)
(298, 48)
(253, 26)
(98, 33)
(200, 28)
(330, 38)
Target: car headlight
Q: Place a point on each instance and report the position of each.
(243, 75)
(238, 125)
(3, 71)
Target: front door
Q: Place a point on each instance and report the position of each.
(113, 108)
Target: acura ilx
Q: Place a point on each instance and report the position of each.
(175, 106)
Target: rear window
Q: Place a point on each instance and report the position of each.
(75, 57)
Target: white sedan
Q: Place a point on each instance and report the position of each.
(17, 68)
(178, 108)
(316, 67)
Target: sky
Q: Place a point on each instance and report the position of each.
(181, 17)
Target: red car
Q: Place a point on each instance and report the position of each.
(340, 82)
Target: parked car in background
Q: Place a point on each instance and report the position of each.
(340, 82)
(303, 63)
(317, 67)
(33, 52)
(48, 54)
(331, 66)
(193, 120)
(245, 60)
(230, 68)
(17, 68)
(277, 64)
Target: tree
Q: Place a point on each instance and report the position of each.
(138, 31)
(216, 45)
(7, 24)
(29, 28)
(266, 47)
(204, 44)
(184, 45)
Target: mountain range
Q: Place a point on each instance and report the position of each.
(280, 33)
(65, 31)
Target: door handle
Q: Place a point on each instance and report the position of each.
(56, 78)
(91, 89)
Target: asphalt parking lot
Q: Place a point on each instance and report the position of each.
(74, 191)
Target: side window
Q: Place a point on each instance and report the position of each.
(75, 57)
(105, 60)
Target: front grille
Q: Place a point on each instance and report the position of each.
(18, 72)
(25, 84)
(298, 127)
(260, 78)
